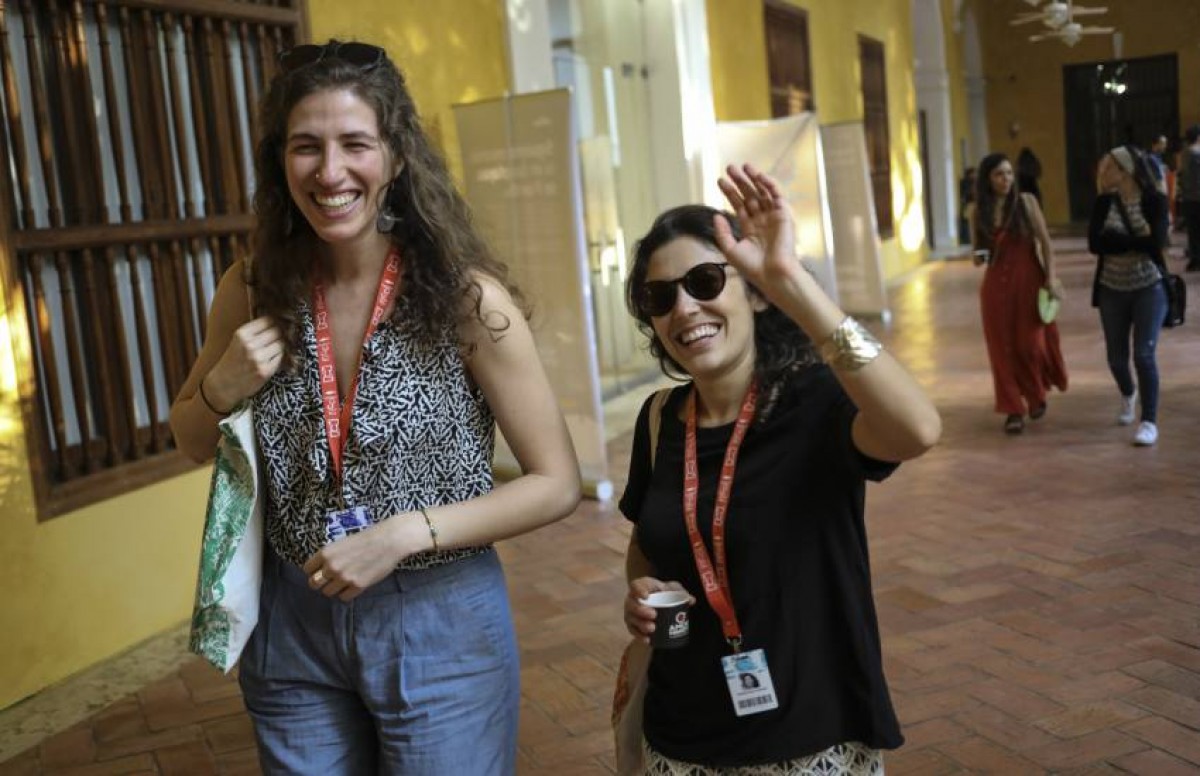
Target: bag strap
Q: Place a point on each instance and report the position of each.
(247, 273)
(1037, 244)
(657, 402)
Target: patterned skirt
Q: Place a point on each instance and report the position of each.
(849, 759)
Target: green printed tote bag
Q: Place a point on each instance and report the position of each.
(231, 557)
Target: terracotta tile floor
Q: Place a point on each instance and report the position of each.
(1039, 594)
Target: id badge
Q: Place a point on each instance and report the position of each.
(345, 522)
(749, 681)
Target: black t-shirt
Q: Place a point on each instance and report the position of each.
(796, 548)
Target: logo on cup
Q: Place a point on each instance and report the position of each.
(671, 618)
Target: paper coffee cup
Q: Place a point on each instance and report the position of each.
(671, 618)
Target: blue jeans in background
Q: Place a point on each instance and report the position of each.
(418, 675)
(1141, 313)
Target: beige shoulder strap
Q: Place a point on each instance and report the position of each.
(656, 407)
(246, 275)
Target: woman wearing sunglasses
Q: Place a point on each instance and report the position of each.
(753, 502)
(383, 347)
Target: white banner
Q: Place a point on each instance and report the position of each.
(521, 172)
(848, 192)
(789, 149)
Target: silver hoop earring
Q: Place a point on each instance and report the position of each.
(387, 219)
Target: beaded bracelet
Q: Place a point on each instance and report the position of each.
(209, 404)
(433, 534)
(850, 346)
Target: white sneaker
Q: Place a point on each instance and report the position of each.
(1128, 405)
(1147, 434)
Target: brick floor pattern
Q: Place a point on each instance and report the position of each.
(1039, 594)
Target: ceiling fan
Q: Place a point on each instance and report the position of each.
(1056, 13)
(1071, 33)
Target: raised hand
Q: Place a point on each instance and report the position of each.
(767, 251)
(254, 354)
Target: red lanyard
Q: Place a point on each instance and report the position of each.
(337, 415)
(715, 581)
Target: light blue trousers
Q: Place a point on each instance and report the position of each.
(419, 675)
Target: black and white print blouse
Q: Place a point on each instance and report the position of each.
(421, 435)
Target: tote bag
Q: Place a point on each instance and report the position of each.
(231, 555)
(630, 693)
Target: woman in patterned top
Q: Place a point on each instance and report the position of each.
(1126, 233)
(753, 498)
(384, 346)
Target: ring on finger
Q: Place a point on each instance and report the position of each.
(318, 577)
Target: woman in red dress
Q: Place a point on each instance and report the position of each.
(1024, 352)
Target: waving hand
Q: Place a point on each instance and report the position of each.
(767, 251)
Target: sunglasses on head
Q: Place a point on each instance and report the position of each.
(703, 282)
(364, 56)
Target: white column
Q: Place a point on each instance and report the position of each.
(527, 24)
(980, 146)
(972, 55)
(932, 83)
(933, 97)
(683, 120)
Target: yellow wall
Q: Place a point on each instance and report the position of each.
(1025, 83)
(740, 89)
(87, 585)
(450, 51)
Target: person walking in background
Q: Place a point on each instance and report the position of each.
(1160, 172)
(1128, 283)
(777, 557)
(1011, 238)
(384, 347)
(966, 205)
(1029, 172)
(1156, 156)
(1189, 194)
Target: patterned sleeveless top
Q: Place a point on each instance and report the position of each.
(421, 435)
(1128, 271)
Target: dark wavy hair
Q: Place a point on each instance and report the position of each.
(435, 233)
(985, 202)
(781, 348)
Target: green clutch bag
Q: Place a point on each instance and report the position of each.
(1047, 305)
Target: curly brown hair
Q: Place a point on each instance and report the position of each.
(434, 230)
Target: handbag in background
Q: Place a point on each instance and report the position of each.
(1176, 300)
(1048, 305)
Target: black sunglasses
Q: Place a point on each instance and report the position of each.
(703, 282)
(364, 56)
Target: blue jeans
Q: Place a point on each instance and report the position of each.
(1141, 312)
(418, 675)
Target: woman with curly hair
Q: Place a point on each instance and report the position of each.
(384, 345)
(752, 500)
(1010, 236)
